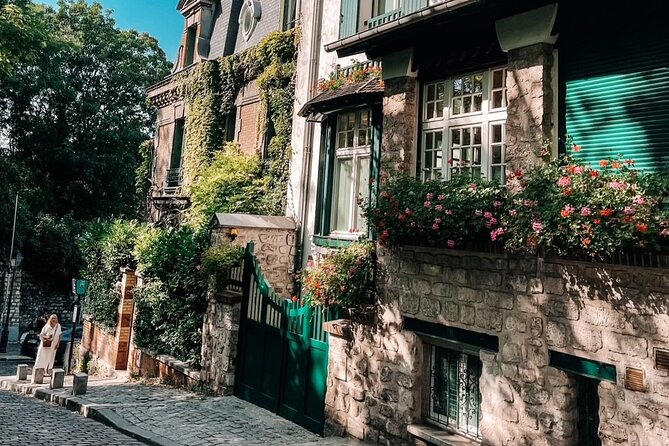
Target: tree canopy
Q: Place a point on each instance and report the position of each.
(73, 114)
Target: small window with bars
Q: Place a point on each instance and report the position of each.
(455, 398)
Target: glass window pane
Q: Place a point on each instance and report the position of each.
(478, 83)
(439, 108)
(455, 137)
(438, 140)
(467, 104)
(497, 133)
(427, 163)
(476, 172)
(428, 140)
(437, 159)
(363, 191)
(457, 87)
(350, 121)
(341, 140)
(476, 158)
(431, 92)
(440, 91)
(497, 79)
(478, 100)
(498, 174)
(362, 137)
(457, 106)
(364, 118)
(430, 110)
(467, 85)
(496, 154)
(466, 137)
(455, 156)
(349, 139)
(477, 135)
(497, 99)
(341, 207)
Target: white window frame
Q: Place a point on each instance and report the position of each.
(360, 155)
(484, 119)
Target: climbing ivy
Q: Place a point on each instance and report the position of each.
(209, 91)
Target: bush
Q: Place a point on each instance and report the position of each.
(172, 303)
(445, 213)
(345, 278)
(106, 247)
(567, 207)
(217, 261)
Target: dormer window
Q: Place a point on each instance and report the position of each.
(191, 35)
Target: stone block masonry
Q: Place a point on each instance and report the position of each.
(536, 308)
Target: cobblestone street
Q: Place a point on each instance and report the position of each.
(26, 421)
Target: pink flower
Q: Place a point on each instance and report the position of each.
(435, 226)
(384, 194)
(343, 288)
(473, 186)
(629, 210)
(530, 203)
(494, 235)
(487, 215)
(429, 196)
(408, 212)
(441, 197)
(537, 226)
(427, 204)
(496, 203)
(478, 212)
(617, 185)
(638, 200)
(437, 220)
(564, 181)
(449, 212)
(513, 212)
(401, 217)
(579, 170)
(439, 207)
(585, 211)
(450, 243)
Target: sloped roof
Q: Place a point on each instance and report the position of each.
(348, 94)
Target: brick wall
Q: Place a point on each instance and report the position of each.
(101, 347)
(612, 314)
(246, 133)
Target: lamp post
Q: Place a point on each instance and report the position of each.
(79, 287)
(4, 338)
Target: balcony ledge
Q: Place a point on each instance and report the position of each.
(439, 437)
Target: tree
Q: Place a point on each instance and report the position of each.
(75, 111)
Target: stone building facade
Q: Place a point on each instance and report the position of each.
(555, 325)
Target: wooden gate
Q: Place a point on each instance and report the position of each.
(282, 355)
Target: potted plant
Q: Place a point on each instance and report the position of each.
(344, 279)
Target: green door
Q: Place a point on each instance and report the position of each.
(282, 352)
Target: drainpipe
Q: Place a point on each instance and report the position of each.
(307, 149)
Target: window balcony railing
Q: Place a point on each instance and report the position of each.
(348, 71)
(407, 7)
(173, 179)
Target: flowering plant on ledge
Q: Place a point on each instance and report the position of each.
(444, 213)
(345, 278)
(569, 208)
(338, 79)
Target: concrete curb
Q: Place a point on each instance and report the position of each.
(104, 415)
(4, 357)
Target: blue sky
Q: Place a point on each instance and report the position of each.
(159, 18)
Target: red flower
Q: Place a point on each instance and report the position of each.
(596, 221)
(576, 148)
(641, 227)
(628, 218)
(616, 165)
(565, 213)
(586, 242)
(568, 192)
(571, 168)
(385, 235)
(629, 162)
(603, 163)
(518, 173)
(294, 299)
(594, 173)
(606, 212)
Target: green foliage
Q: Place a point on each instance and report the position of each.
(345, 278)
(447, 213)
(217, 261)
(227, 185)
(172, 303)
(567, 207)
(106, 247)
(143, 178)
(210, 90)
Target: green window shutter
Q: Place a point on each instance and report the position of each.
(349, 18)
(617, 96)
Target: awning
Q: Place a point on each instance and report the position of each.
(347, 95)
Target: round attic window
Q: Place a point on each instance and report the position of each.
(249, 17)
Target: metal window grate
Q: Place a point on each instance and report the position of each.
(662, 359)
(455, 397)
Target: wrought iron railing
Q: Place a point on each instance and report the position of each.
(174, 178)
(407, 7)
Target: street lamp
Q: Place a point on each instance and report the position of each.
(4, 338)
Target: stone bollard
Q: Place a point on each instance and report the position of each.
(79, 384)
(57, 379)
(38, 376)
(22, 372)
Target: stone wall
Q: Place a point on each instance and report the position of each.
(612, 314)
(220, 333)
(400, 114)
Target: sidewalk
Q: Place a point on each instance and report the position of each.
(159, 415)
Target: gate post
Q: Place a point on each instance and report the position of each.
(124, 325)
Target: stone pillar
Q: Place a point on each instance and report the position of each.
(398, 138)
(529, 122)
(220, 333)
(125, 313)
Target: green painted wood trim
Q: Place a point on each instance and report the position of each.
(377, 127)
(454, 335)
(348, 24)
(329, 242)
(582, 366)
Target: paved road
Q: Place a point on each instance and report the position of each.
(26, 421)
(9, 367)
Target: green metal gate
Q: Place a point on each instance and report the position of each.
(282, 355)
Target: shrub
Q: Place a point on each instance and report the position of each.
(217, 261)
(445, 213)
(345, 278)
(567, 207)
